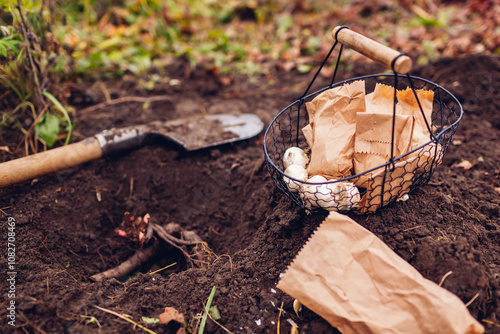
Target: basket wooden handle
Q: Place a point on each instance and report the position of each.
(373, 50)
(30, 167)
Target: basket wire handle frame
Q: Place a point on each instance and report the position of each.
(324, 62)
(302, 98)
(404, 66)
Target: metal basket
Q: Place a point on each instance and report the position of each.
(381, 185)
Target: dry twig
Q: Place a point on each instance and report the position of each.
(121, 316)
(279, 318)
(164, 232)
(141, 256)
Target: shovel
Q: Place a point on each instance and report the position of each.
(191, 134)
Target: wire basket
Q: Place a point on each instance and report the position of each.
(375, 188)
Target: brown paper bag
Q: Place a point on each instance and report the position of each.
(381, 100)
(308, 134)
(387, 184)
(409, 106)
(372, 144)
(332, 117)
(359, 285)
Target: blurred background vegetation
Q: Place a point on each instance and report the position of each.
(46, 43)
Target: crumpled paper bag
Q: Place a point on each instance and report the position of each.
(373, 144)
(385, 185)
(381, 100)
(409, 106)
(331, 129)
(373, 140)
(359, 285)
(347, 137)
(308, 134)
(421, 135)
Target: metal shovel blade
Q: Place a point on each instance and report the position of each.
(199, 132)
(191, 133)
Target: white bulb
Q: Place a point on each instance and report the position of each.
(317, 179)
(330, 196)
(296, 172)
(295, 156)
(349, 196)
(308, 191)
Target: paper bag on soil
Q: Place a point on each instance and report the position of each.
(330, 134)
(359, 285)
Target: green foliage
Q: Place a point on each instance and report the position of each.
(111, 38)
(9, 45)
(133, 35)
(201, 329)
(28, 73)
(63, 111)
(48, 128)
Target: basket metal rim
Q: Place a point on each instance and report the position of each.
(452, 126)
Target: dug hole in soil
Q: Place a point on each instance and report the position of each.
(65, 222)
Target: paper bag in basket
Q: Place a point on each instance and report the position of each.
(359, 285)
(387, 184)
(381, 100)
(409, 106)
(331, 129)
(372, 146)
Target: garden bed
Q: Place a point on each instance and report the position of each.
(65, 222)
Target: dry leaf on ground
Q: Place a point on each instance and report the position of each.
(171, 314)
(465, 164)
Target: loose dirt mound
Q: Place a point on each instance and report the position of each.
(65, 234)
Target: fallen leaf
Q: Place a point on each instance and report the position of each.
(465, 164)
(225, 81)
(497, 189)
(214, 312)
(5, 148)
(171, 314)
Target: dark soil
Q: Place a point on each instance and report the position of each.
(64, 234)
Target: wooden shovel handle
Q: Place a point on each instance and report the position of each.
(373, 50)
(30, 167)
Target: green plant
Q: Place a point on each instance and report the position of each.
(201, 329)
(28, 81)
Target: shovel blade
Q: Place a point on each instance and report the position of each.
(205, 131)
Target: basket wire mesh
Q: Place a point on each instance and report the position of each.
(377, 187)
